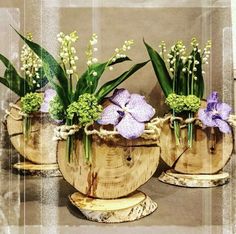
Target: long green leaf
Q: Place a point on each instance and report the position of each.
(181, 80)
(160, 70)
(63, 96)
(88, 83)
(111, 85)
(13, 80)
(50, 63)
(119, 60)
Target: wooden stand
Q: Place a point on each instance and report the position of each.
(194, 181)
(129, 208)
(45, 170)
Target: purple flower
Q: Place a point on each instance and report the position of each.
(216, 113)
(49, 94)
(128, 113)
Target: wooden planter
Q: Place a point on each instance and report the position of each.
(196, 166)
(117, 169)
(39, 148)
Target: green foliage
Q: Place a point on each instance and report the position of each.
(160, 70)
(31, 102)
(56, 109)
(86, 109)
(111, 85)
(13, 80)
(87, 83)
(52, 70)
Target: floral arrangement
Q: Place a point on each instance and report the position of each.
(180, 75)
(26, 86)
(77, 99)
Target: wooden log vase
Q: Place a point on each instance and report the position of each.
(209, 154)
(39, 148)
(118, 167)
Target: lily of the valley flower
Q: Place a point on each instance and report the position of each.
(216, 113)
(128, 113)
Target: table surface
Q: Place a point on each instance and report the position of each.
(40, 205)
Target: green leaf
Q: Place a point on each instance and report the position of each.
(111, 85)
(87, 82)
(13, 80)
(49, 63)
(160, 70)
(181, 80)
(63, 96)
(198, 84)
(119, 60)
(42, 80)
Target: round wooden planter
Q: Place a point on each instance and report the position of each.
(39, 148)
(210, 152)
(106, 187)
(117, 169)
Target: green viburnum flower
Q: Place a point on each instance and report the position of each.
(176, 102)
(180, 103)
(56, 109)
(192, 103)
(86, 109)
(31, 102)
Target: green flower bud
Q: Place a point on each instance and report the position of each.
(192, 103)
(56, 109)
(176, 102)
(31, 102)
(86, 109)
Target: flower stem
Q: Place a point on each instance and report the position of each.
(190, 131)
(69, 143)
(87, 141)
(176, 130)
(26, 127)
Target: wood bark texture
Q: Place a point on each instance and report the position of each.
(194, 181)
(118, 166)
(130, 208)
(40, 148)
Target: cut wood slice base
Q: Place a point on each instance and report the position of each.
(45, 170)
(129, 208)
(194, 181)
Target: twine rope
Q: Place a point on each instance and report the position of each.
(185, 122)
(152, 130)
(62, 132)
(19, 112)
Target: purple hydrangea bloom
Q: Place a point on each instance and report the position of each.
(128, 113)
(49, 94)
(216, 113)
